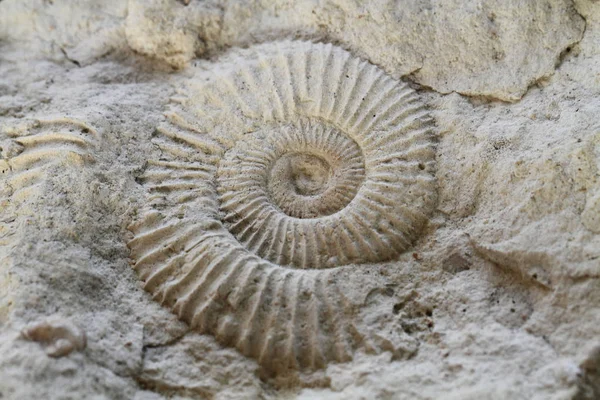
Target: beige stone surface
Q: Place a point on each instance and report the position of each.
(498, 295)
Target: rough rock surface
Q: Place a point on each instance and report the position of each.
(498, 298)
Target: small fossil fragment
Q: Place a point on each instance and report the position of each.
(60, 337)
(280, 165)
(38, 145)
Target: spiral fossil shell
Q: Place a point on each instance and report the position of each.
(281, 164)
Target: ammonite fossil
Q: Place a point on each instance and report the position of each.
(281, 164)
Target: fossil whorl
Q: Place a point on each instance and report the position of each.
(281, 164)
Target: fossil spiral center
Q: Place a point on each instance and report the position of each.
(285, 182)
(305, 174)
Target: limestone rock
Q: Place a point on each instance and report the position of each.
(323, 199)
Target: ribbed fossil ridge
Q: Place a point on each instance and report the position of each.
(279, 164)
(38, 146)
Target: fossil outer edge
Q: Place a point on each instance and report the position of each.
(211, 243)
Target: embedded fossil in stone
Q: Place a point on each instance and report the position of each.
(59, 336)
(38, 145)
(280, 165)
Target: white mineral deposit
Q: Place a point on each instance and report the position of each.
(312, 199)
